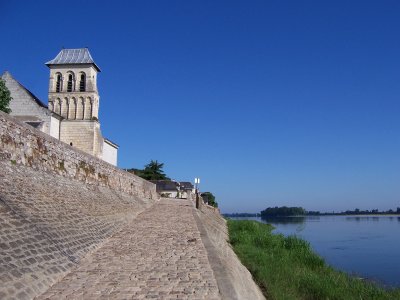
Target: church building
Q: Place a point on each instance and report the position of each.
(72, 115)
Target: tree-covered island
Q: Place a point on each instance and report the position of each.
(284, 211)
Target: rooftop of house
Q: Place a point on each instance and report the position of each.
(186, 185)
(73, 56)
(165, 185)
(111, 143)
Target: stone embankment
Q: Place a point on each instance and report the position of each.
(56, 205)
(21, 144)
(159, 255)
(48, 223)
(74, 227)
(234, 280)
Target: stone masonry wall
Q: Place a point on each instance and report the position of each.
(56, 205)
(83, 134)
(49, 223)
(23, 145)
(234, 280)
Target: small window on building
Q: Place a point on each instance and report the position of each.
(82, 83)
(69, 86)
(58, 83)
(70, 144)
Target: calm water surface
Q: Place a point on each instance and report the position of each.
(365, 246)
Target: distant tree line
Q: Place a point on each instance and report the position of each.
(356, 212)
(242, 215)
(283, 211)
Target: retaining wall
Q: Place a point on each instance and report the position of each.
(21, 144)
(234, 280)
(56, 205)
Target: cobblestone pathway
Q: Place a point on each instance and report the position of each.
(159, 255)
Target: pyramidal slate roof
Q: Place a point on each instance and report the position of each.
(73, 56)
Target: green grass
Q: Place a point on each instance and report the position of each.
(287, 268)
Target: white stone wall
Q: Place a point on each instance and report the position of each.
(110, 153)
(81, 134)
(55, 127)
(98, 141)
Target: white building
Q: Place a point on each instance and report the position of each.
(72, 114)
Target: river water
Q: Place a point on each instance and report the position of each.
(364, 246)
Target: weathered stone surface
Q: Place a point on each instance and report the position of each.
(56, 205)
(23, 145)
(234, 280)
(89, 230)
(48, 223)
(158, 255)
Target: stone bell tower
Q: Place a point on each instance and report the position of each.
(73, 95)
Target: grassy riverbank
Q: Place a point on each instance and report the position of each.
(287, 268)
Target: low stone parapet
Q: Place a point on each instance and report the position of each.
(24, 145)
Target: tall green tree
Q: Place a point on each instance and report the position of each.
(154, 171)
(151, 171)
(5, 97)
(209, 198)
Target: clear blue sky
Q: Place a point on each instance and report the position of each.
(270, 103)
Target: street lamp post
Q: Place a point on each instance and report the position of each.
(197, 182)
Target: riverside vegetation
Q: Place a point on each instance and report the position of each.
(287, 268)
(285, 211)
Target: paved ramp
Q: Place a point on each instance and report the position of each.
(158, 255)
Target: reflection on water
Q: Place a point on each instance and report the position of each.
(372, 218)
(368, 246)
(284, 220)
(363, 218)
(298, 222)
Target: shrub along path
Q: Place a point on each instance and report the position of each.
(159, 255)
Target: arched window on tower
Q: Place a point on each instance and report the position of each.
(59, 83)
(82, 83)
(70, 83)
